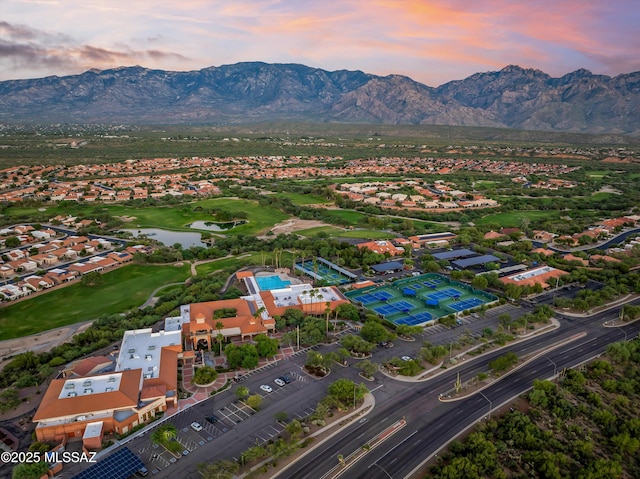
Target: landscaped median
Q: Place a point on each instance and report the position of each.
(345, 462)
(464, 390)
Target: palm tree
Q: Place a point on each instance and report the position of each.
(327, 310)
(312, 295)
(164, 434)
(220, 337)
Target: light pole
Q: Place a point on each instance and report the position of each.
(490, 404)
(625, 333)
(383, 470)
(555, 366)
(354, 396)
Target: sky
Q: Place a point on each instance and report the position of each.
(431, 41)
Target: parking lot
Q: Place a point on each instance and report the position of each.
(214, 419)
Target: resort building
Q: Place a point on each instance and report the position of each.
(143, 384)
(382, 247)
(543, 275)
(245, 317)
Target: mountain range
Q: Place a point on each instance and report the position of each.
(513, 97)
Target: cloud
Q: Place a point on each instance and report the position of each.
(39, 53)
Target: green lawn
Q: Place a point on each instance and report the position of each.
(260, 217)
(367, 234)
(247, 259)
(172, 217)
(299, 199)
(329, 230)
(514, 218)
(123, 289)
(353, 217)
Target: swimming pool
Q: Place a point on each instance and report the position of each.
(267, 283)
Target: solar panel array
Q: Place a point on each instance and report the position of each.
(119, 465)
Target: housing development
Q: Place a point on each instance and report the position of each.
(304, 315)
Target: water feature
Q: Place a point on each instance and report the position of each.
(169, 238)
(216, 226)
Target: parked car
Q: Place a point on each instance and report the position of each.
(212, 419)
(286, 379)
(266, 388)
(196, 426)
(406, 358)
(279, 382)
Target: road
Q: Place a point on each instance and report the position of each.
(431, 424)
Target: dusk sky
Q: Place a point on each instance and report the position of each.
(432, 41)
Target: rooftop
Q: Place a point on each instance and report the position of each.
(141, 350)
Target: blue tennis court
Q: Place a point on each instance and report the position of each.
(385, 310)
(432, 283)
(393, 308)
(437, 296)
(382, 295)
(444, 294)
(414, 319)
(366, 299)
(465, 304)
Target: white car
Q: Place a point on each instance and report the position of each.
(196, 426)
(279, 382)
(266, 388)
(405, 358)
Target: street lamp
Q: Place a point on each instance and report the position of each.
(555, 366)
(490, 404)
(383, 470)
(625, 333)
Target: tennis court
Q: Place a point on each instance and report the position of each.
(322, 270)
(466, 304)
(418, 300)
(444, 294)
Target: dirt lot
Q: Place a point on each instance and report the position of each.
(295, 224)
(39, 342)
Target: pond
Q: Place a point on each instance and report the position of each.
(169, 238)
(216, 226)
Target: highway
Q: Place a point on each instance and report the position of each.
(431, 424)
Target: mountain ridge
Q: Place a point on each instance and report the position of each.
(513, 97)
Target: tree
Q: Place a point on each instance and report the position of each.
(9, 399)
(504, 362)
(204, 375)
(346, 392)
(294, 428)
(374, 332)
(406, 330)
(164, 434)
(254, 401)
(220, 337)
(266, 346)
(33, 470)
(480, 282)
(348, 312)
(368, 368)
(12, 242)
(356, 344)
(242, 392)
